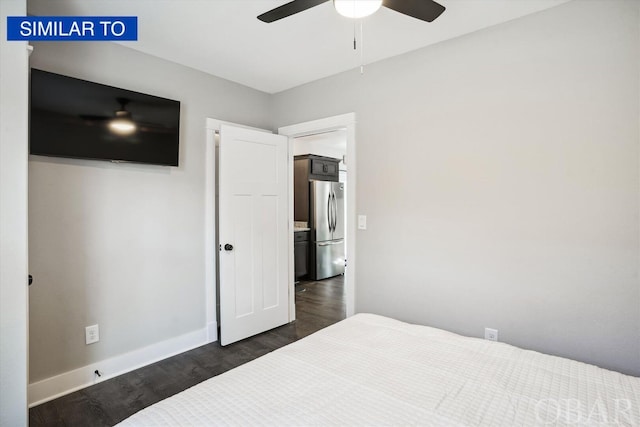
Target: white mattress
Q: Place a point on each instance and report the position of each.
(371, 370)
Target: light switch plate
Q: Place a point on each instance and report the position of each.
(362, 222)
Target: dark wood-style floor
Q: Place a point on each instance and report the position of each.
(318, 304)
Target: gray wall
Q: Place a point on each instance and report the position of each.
(122, 245)
(13, 222)
(500, 175)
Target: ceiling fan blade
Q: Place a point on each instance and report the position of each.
(289, 9)
(425, 10)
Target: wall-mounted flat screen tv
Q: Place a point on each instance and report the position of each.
(85, 120)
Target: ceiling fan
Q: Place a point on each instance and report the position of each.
(425, 10)
(122, 122)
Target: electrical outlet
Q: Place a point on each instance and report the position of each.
(91, 334)
(490, 334)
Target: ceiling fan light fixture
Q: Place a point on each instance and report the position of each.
(122, 123)
(357, 8)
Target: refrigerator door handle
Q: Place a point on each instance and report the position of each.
(333, 217)
(329, 212)
(335, 212)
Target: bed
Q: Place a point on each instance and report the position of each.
(372, 370)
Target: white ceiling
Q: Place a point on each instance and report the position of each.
(224, 38)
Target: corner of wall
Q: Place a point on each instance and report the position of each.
(14, 73)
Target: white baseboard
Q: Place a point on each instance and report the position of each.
(68, 382)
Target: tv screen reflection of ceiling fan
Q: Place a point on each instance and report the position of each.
(425, 10)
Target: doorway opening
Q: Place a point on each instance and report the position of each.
(332, 137)
(320, 211)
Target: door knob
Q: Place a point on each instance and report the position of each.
(228, 247)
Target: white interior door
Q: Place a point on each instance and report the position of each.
(253, 218)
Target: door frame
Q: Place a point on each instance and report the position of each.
(344, 121)
(210, 219)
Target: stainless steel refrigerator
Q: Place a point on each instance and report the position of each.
(327, 220)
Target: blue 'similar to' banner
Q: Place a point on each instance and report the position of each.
(72, 28)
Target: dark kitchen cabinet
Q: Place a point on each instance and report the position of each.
(324, 170)
(317, 167)
(310, 168)
(301, 253)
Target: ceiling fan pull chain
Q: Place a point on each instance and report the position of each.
(354, 35)
(355, 46)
